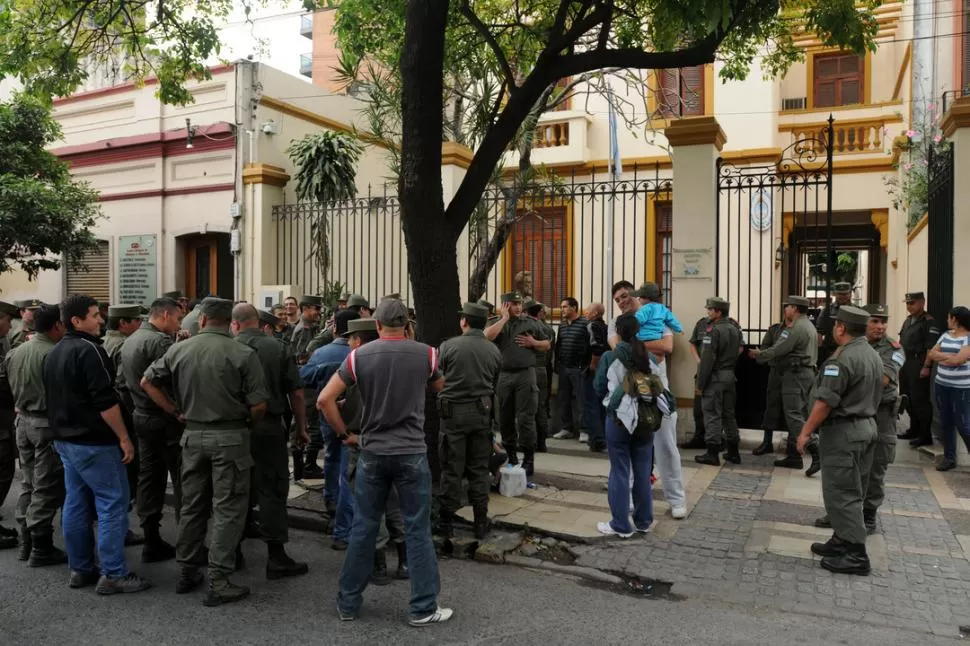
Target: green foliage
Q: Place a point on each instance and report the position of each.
(909, 188)
(44, 215)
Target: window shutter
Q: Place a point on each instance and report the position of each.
(565, 103)
(966, 46)
(96, 281)
(539, 246)
(692, 91)
(669, 92)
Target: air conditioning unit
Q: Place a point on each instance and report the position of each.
(799, 103)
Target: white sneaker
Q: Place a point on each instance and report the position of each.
(644, 531)
(440, 615)
(584, 438)
(562, 435)
(678, 512)
(606, 529)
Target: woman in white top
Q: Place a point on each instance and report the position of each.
(952, 356)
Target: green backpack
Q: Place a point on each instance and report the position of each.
(647, 389)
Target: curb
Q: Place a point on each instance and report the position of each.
(575, 570)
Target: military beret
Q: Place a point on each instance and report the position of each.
(177, 294)
(309, 300)
(511, 297)
(29, 304)
(852, 315)
(267, 318)
(216, 308)
(841, 288)
(800, 301)
(716, 302)
(124, 311)
(473, 309)
(391, 313)
(915, 296)
(9, 309)
(361, 325)
(648, 290)
(356, 300)
(877, 310)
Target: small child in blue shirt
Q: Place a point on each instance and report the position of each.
(653, 317)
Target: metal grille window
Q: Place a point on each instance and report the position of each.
(838, 79)
(965, 48)
(96, 281)
(681, 92)
(664, 250)
(539, 244)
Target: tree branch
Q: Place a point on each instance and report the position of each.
(604, 36)
(489, 37)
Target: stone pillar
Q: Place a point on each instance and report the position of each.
(455, 160)
(696, 143)
(263, 189)
(956, 128)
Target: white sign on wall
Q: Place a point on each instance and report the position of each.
(137, 270)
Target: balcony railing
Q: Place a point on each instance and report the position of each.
(306, 26)
(851, 136)
(551, 135)
(306, 65)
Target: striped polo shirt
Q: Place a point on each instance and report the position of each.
(953, 376)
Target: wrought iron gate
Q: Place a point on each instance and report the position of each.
(939, 284)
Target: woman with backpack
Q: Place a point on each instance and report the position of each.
(636, 402)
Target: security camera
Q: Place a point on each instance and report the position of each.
(270, 128)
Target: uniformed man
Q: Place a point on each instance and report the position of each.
(157, 433)
(716, 384)
(471, 365)
(919, 334)
(518, 337)
(8, 441)
(342, 301)
(842, 292)
(220, 392)
(354, 303)
(271, 475)
(701, 330)
(175, 295)
(794, 356)
(543, 358)
(25, 326)
(190, 323)
(774, 417)
(303, 333)
(42, 491)
(847, 395)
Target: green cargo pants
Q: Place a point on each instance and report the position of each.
(159, 456)
(774, 418)
(846, 448)
(467, 445)
(883, 454)
(717, 402)
(796, 386)
(271, 477)
(42, 492)
(216, 468)
(517, 401)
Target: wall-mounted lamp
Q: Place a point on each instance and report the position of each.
(189, 133)
(780, 253)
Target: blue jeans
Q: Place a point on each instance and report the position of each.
(344, 518)
(954, 405)
(331, 462)
(628, 458)
(97, 489)
(594, 413)
(376, 474)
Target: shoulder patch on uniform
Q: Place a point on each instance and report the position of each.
(831, 370)
(934, 330)
(706, 340)
(899, 357)
(783, 335)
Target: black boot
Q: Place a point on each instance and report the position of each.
(711, 457)
(869, 516)
(696, 442)
(222, 591)
(816, 464)
(853, 560)
(155, 549)
(832, 547)
(402, 561)
(510, 450)
(766, 446)
(732, 455)
(43, 552)
(446, 524)
(481, 520)
(311, 470)
(24, 552)
(378, 575)
(792, 459)
(823, 522)
(529, 463)
(190, 577)
(279, 564)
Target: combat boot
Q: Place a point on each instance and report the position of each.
(732, 455)
(43, 552)
(190, 577)
(378, 575)
(790, 462)
(696, 442)
(529, 463)
(853, 560)
(481, 521)
(402, 561)
(711, 457)
(222, 591)
(311, 470)
(816, 464)
(24, 552)
(511, 451)
(155, 550)
(832, 547)
(133, 538)
(869, 516)
(766, 445)
(8, 538)
(823, 522)
(280, 565)
(446, 524)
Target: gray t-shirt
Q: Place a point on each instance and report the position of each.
(391, 378)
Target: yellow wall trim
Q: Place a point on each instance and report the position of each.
(320, 120)
(650, 271)
(880, 218)
(600, 165)
(957, 117)
(923, 221)
(691, 131)
(752, 156)
(456, 155)
(907, 56)
(264, 174)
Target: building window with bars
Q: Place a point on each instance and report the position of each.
(838, 79)
(664, 248)
(965, 49)
(95, 279)
(680, 92)
(539, 245)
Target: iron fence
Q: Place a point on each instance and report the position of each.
(940, 212)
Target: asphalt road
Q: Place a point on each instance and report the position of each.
(494, 605)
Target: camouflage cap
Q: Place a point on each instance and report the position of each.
(716, 302)
(124, 311)
(852, 315)
(877, 310)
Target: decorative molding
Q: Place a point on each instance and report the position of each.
(694, 131)
(957, 117)
(841, 108)
(455, 154)
(128, 86)
(882, 164)
(156, 144)
(752, 156)
(170, 192)
(919, 226)
(264, 174)
(320, 120)
(880, 218)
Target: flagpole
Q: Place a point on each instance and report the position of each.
(614, 176)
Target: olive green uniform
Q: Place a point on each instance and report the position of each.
(793, 355)
(884, 450)
(850, 382)
(543, 361)
(824, 326)
(19, 337)
(42, 492)
(8, 440)
(215, 381)
(324, 338)
(716, 381)
(301, 336)
(158, 433)
(190, 323)
(918, 335)
(471, 364)
(113, 342)
(271, 475)
(774, 417)
(517, 390)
